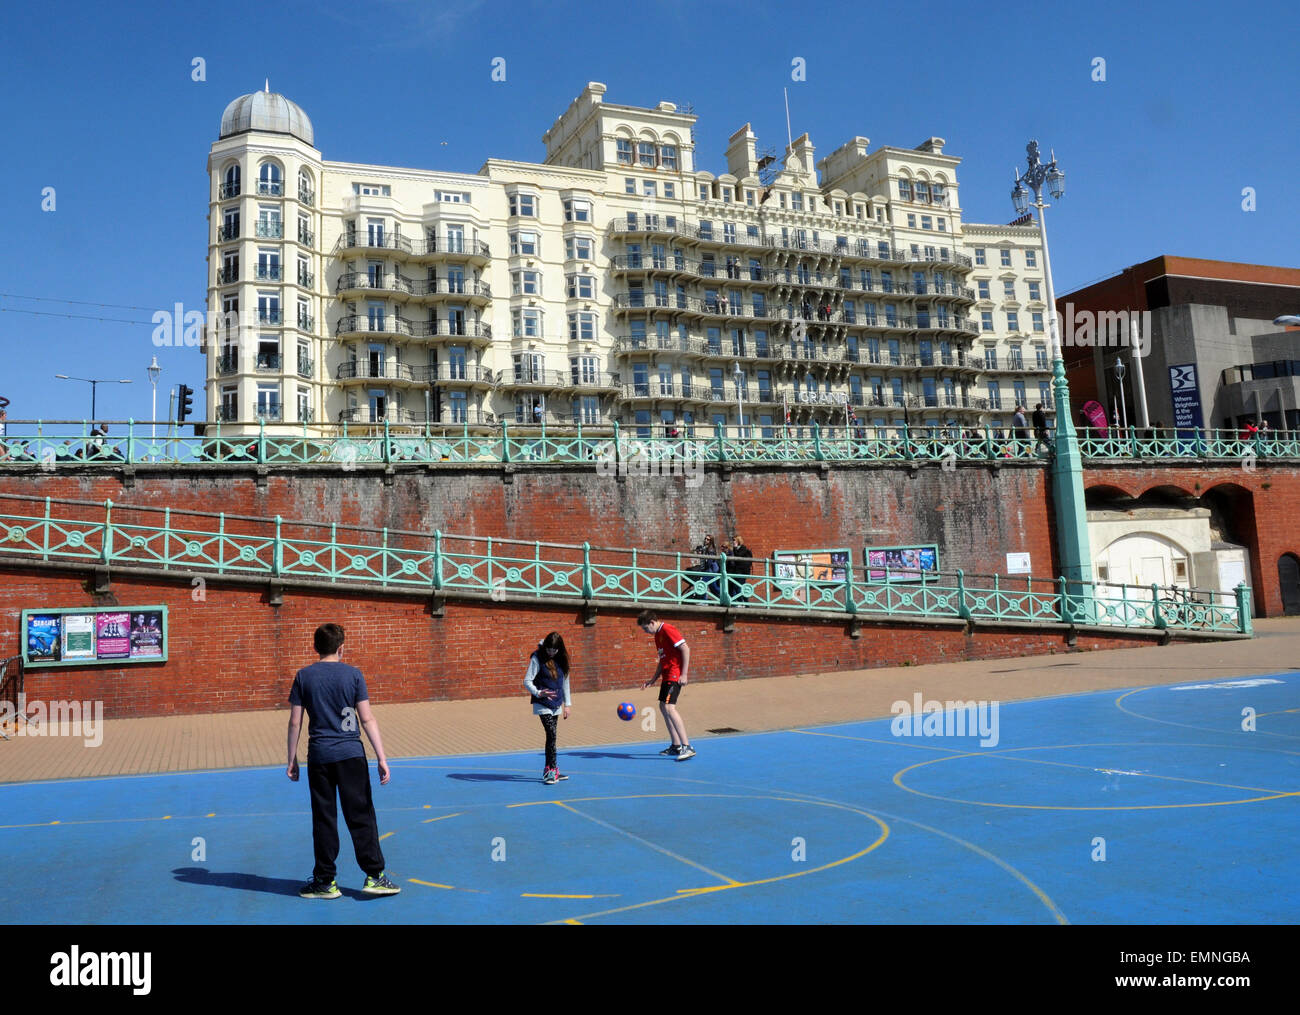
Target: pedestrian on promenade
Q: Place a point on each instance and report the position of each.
(547, 681)
(335, 698)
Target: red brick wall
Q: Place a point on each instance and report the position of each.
(234, 652)
(975, 514)
(1273, 530)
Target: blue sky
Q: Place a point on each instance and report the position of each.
(1198, 103)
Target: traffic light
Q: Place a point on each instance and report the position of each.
(185, 402)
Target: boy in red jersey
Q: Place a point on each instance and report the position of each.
(674, 666)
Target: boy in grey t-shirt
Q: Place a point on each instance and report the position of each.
(335, 698)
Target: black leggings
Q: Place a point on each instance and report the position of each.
(549, 723)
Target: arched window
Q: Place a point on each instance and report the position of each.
(306, 192)
(230, 184)
(269, 180)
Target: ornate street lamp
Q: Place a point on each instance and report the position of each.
(1073, 548)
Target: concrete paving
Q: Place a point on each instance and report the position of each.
(424, 729)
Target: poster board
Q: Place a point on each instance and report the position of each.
(107, 636)
(901, 563)
(797, 570)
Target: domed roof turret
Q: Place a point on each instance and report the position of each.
(269, 111)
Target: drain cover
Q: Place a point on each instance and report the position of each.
(725, 729)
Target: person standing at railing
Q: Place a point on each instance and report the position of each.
(1040, 428)
(674, 668)
(547, 681)
(740, 563)
(1019, 430)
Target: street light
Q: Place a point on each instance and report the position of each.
(1120, 371)
(740, 402)
(92, 383)
(154, 370)
(1074, 548)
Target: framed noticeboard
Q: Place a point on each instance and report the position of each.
(901, 563)
(107, 636)
(797, 569)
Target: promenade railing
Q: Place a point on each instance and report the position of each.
(60, 443)
(104, 534)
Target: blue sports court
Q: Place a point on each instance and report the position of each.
(1151, 805)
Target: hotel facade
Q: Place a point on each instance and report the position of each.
(615, 281)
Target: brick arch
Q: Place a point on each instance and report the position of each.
(1174, 488)
(1108, 489)
(1239, 503)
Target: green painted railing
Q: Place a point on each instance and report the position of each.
(54, 445)
(107, 534)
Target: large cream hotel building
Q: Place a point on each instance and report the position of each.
(616, 280)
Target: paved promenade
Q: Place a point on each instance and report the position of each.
(242, 739)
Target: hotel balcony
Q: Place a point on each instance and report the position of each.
(468, 331)
(306, 237)
(306, 367)
(228, 190)
(227, 276)
(270, 230)
(362, 324)
(230, 232)
(306, 196)
(268, 362)
(270, 317)
(511, 379)
(387, 370)
(267, 272)
(472, 375)
(266, 188)
(227, 364)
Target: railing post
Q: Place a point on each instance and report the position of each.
(907, 441)
(1160, 622)
(130, 441)
(1067, 610)
(261, 440)
(988, 442)
(850, 604)
(963, 607)
(107, 551)
(1200, 442)
(618, 450)
(167, 538)
(437, 559)
(724, 592)
(505, 439)
(1244, 624)
(277, 559)
(722, 442)
(1133, 441)
(388, 450)
(587, 592)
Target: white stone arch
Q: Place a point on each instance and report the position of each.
(1145, 556)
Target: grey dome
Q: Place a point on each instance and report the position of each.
(268, 111)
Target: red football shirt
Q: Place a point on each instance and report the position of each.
(669, 642)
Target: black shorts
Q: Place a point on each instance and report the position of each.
(669, 690)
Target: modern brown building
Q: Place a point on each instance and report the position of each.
(1216, 316)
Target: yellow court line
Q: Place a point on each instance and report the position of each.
(687, 893)
(902, 741)
(1281, 711)
(431, 884)
(442, 817)
(386, 835)
(540, 895)
(1183, 725)
(1005, 755)
(647, 842)
(576, 923)
(212, 815)
(898, 777)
